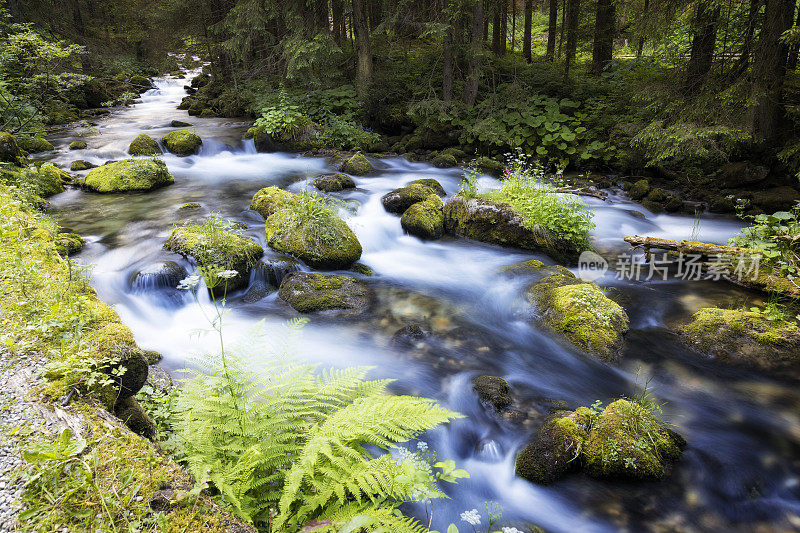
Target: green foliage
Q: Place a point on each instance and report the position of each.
(284, 120)
(540, 204)
(777, 236)
(284, 444)
(346, 135)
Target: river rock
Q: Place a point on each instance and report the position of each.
(68, 244)
(556, 450)
(325, 242)
(776, 199)
(740, 174)
(50, 180)
(180, 124)
(398, 200)
(270, 200)
(492, 390)
(357, 165)
(131, 413)
(334, 182)
(226, 251)
(639, 190)
(739, 336)
(424, 219)
(310, 292)
(9, 149)
(78, 145)
(444, 160)
(34, 145)
(580, 312)
(143, 144)
(158, 276)
(493, 223)
(81, 164)
(182, 142)
(129, 175)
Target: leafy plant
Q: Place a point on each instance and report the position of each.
(777, 236)
(284, 120)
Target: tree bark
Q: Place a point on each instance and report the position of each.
(496, 27)
(475, 49)
(552, 30)
(363, 48)
(769, 69)
(337, 16)
(447, 64)
(503, 27)
(703, 44)
(526, 36)
(604, 30)
(747, 46)
(573, 13)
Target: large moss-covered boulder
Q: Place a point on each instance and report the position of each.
(398, 200)
(494, 223)
(34, 145)
(324, 241)
(425, 219)
(81, 164)
(51, 180)
(270, 200)
(639, 190)
(220, 249)
(9, 149)
(68, 244)
(182, 142)
(444, 160)
(334, 182)
(143, 144)
(492, 390)
(78, 145)
(747, 337)
(129, 175)
(628, 441)
(310, 292)
(357, 165)
(581, 312)
(556, 451)
(115, 341)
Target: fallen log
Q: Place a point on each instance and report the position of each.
(688, 247)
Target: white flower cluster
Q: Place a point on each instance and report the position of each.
(189, 283)
(511, 530)
(471, 517)
(227, 274)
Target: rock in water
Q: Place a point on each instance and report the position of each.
(357, 165)
(326, 242)
(129, 175)
(182, 142)
(310, 292)
(398, 200)
(269, 200)
(424, 219)
(143, 144)
(9, 149)
(334, 182)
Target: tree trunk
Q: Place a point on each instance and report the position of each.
(769, 68)
(604, 30)
(640, 44)
(747, 46)
(513, 24)
(475, 49)
(447, 64)
(573, 13)
(703, 44)
(503, 28)
(496, 29)
(337, 10)
(526, 37)
(552, 30)
(363, 49)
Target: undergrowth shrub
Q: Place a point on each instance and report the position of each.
(777, 236)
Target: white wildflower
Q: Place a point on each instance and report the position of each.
(189, 283)
(471, 517)
(227, 274)
(511, 530)
(422, 446)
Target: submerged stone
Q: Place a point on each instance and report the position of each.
(77, 145)
(81, 164)
(310, 292)
(492, 390)
(555, 452)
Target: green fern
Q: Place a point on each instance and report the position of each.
(286, 444)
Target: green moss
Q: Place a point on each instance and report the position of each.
(269, 200)
(425, 219)
(488, 165)
(334, 182)
(321, 241)
(398, 200)
(143, 144)
(129, 175)
(190, 205)
(182, 142)
(34, 144)
(180, 124)
(531, 266)
(357, 165)
(9, 149)
(217, 248)
(69, 244)
(81, 164)
(582, 313)
(310, 292)
(743, 336)
(493, 390)
(639, 190)
(554, 453)
(77, 145)
(627, 441)
(361, 268)
(444, 160)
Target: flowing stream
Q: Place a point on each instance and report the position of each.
(739, 472)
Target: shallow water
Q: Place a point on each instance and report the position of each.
(740, 471)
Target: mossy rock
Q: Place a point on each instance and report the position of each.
(361, 268)
(129, 175)
(189, 205)
(51, 180)
(34, 145)
(326, 243)
(425, 219)
(115, 341)
(226, 251)
(180, 124)
(9, 149)
(492, 390)
(488, 165)
(657, 195)
(493, 223)
(68, 244)
(131, 413)
(398, 200)
(581, 313)
(334, 182)
(444, 160)
(628, 441)
(270, 200)
(38, 182)
(78, 145)
(357, 165)
(182, 142)
(555, 452)
(745, 337)
(531, 266)
(309, 292)
(143, 144)
(141, 82)
(81, 164)
(639, 190)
